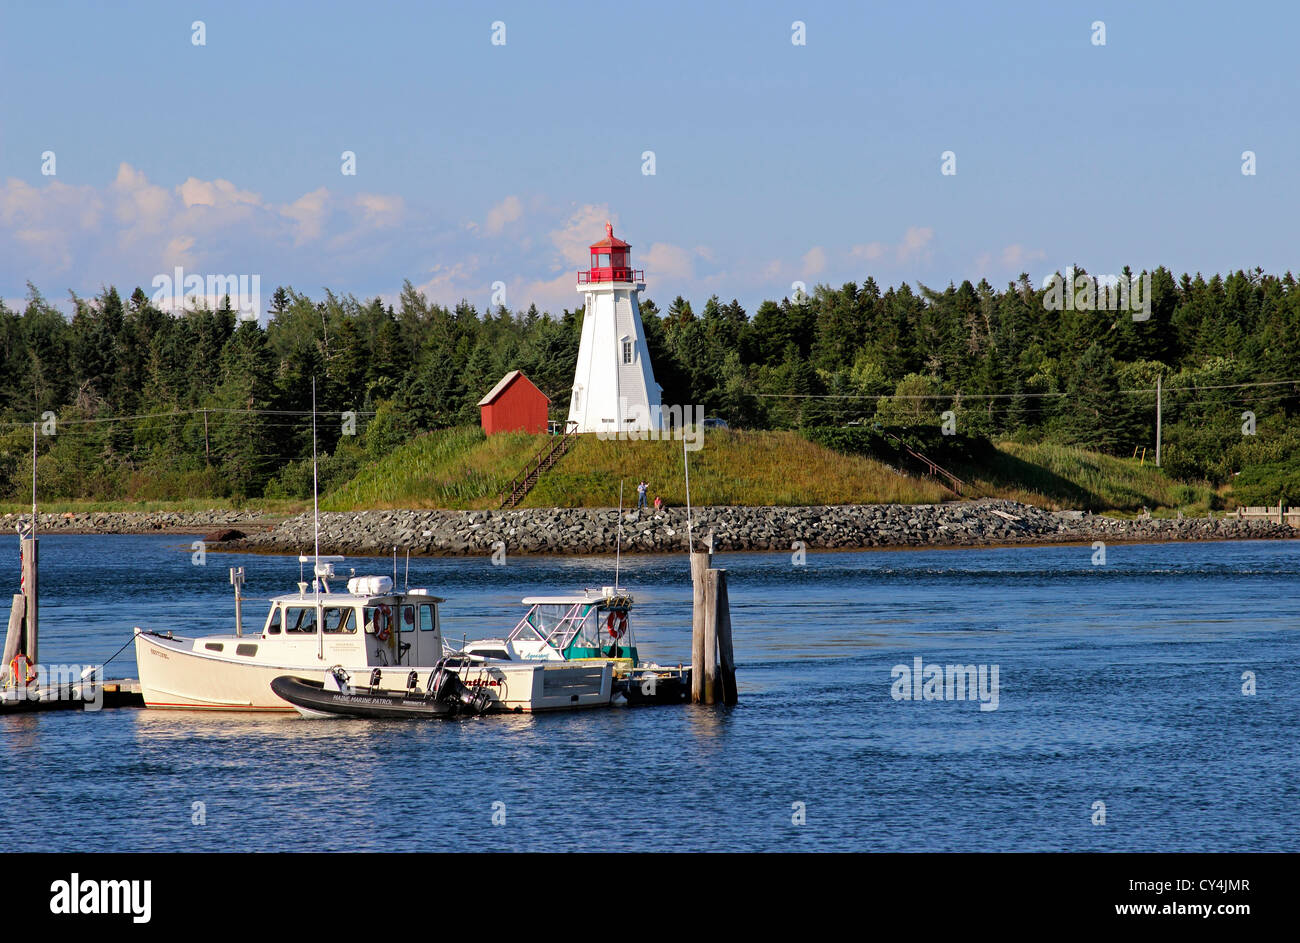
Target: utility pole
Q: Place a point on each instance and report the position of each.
(1158, 378)
(206, 456)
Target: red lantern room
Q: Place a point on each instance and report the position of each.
(611, 261)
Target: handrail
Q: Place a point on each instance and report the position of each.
(954, 484)
(543, 459)
(612, 274)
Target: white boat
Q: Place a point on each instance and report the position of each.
(592, 627)
(383, 638)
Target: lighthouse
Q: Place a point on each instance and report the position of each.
(614, 389)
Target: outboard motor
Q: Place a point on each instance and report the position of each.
(443, 683)
(476, 700)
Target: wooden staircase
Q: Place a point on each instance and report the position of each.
(548, 455)
(932, 468)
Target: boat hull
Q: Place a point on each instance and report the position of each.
(172, 678)
(313, 699)
(175, 677)
(655, 686)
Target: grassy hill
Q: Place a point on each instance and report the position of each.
(460, 468)
(1057, 476)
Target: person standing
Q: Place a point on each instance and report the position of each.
(641, 489)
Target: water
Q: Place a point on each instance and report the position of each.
(1119, 684)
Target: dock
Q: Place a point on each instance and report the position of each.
(88, 696)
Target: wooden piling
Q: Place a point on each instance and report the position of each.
(14, 639)
(31, 590)
(710, 637)
(722, 622)
(699, 567)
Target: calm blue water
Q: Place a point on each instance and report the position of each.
(1119, 684)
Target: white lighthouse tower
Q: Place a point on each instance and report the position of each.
(614, 387)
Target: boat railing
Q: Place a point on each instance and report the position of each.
(563, 631)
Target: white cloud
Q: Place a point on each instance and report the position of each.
(450, 283)
(1012, 259)
(380, 211)
(1018, 255)
(129, 229)
(814, 262)
(584, 226)
(178, 250)
(195, 192)
(507, 211)
(308, 214)
(143, 209)
(554, 295)
(913, 247)
(667, 261)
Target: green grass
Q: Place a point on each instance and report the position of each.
(450, 468)
(731, 468)
(463, 469)
(1060, 476)
(273, 508)
(460, 468)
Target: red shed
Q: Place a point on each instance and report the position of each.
(514, 405)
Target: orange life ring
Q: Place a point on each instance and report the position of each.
(617, 624)
(21, 666)
(383, 624)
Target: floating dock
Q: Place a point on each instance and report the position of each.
(72, 697)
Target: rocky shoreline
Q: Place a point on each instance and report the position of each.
(142, 522)
(594, 531)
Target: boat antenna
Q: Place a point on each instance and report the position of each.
(618, 541)
(315, 494)
(406, 582)
(686, 464)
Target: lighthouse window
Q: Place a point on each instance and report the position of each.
(602, 260)
(627, 351)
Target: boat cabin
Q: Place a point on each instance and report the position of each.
(576, 627)
(369, 624)
(353, 628)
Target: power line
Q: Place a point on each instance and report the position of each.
(178, 413)
(1026, 395)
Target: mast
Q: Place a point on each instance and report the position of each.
(315, 497)
(33, 481)
(315, 524)
(686, 465)
(31, 572)
(618, 541)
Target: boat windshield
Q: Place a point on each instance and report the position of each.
(300, 619)
(572, 624)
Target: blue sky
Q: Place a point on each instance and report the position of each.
(479, 163)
